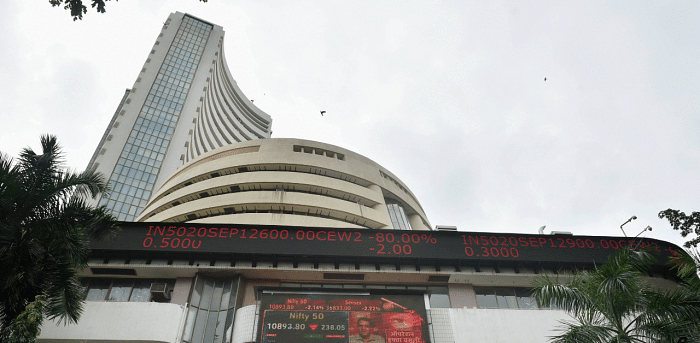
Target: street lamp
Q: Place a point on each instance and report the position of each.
(623, 224)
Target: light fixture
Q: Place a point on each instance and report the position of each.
(648, 228)
(623, 224)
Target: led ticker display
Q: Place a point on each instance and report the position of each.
(373, 244)
(342, 318)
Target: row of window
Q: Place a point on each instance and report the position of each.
(399, 219)
(210, 317)
(186, 55)
(214, 212)
(155, 124)
(173, 67)
(212, 295)
(171, 83)
(317, 151)
(132, 290)
(506, 297)
(178, 72)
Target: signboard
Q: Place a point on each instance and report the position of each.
(342, 318)
(373, 244)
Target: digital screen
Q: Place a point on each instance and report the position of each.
(374, 244)
(342, 318)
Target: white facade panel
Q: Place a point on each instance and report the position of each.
(120, 322)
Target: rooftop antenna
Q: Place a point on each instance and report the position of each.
(628, 220)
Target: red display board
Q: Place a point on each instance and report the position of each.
(342, 318)
(431, 246)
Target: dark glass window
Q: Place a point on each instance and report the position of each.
(212, 307)
(505, 297)
(439, 297)
(486, 297)
(399, 219)
(133, 290)
(525, 298)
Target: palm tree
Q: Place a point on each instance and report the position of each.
(613, 304)
(45, 223)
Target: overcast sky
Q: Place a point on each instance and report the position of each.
(450, 96)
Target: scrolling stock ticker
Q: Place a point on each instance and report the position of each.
(335, 242)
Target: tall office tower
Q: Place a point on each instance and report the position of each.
(184, 103)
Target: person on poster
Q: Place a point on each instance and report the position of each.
(365, 327)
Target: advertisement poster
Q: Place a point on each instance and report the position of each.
(342, 318)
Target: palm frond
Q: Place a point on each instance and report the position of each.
(614, 303)
(45, 224)
(582, 333)
(65, 294)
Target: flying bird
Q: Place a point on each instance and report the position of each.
(545, 79)
(322, 112)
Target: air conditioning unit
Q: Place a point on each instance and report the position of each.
(160, 292)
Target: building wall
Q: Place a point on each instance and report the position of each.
(284, 182)
(462, 320)
(154, 322)
(504, 326)
(119, 322)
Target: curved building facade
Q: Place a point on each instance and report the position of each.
(184, 103)
(226, 116)
(290, 182)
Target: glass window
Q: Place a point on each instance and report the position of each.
(353, 286)
(141, 291)
(221, 325)
(121, 290)
(486, 297)
(399, 220)
(98, 289)
(197, 293)
(133, 290)
(395, 287)
(212, 320)
(439, 300)
(525, 298)
(200, 322)
(211, 311)
(189, 325)
(506, 298)
(421, 288)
